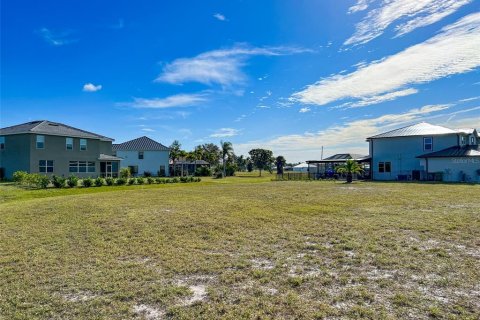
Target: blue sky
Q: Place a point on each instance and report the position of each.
(291, 76)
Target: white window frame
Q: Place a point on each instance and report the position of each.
(83, 144)
(425, 143)
(45, 166)
(68, 144)
(40, 139)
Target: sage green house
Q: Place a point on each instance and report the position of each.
(53, 148)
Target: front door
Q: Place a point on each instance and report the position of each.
(106, 169)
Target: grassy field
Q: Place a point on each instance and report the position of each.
(241, 248)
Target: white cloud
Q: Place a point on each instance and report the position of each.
(411, 14)
(380, 98)
(90, 87)
(453, 51)
(359, 6)
(469, 99)
(225, 133)
(148, 130)
(56, 38)
(220, 17)
(304, 110)
(346, 137)
(223, 66)
(179, 100)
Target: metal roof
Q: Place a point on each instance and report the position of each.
(140, 144)
(419, 129)
(346, 156)
(51, 128)
(467, 151)
(200, 162)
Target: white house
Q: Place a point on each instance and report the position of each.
(303, 167)
(144, 155)
(426, 152)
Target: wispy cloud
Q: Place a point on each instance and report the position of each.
(148, 129)
(225, 133)
(380, 98)
(453, 51)
(348, 136)
(222, 66)
(90, 87)
(469, 99)
(56, 38)
(179, 100)
(410, 14)
(305, 110)
(361, 5)
(220, 17)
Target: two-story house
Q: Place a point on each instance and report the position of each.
(144, 155)
(426, 152)
(53, 148)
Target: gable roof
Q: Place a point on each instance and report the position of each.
(419, 129)
(51, 128)
(467, 151)
(346, 156)
(140, 144)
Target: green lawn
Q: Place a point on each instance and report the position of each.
(241, 248)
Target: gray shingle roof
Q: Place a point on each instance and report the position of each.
(51, 128)
(419, 129)
(467, 151)
(140, 144)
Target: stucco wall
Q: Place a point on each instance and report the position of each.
(16, 155)
(402, 153)
(152, 160)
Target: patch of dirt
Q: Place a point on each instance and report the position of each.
(79, 297)
(262, 264)
(148, 312)
(199, 294)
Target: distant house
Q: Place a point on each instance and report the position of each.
(183, 167)
(327, 167)
(426, 152)
(53, 148)
(144, 155)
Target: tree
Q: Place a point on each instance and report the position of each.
(350, 167)
(249, 164)
(227, 151)
(241, 163)
(175, 149)
(182, 154)
(210, 153)
(280, 163)
(261, 158)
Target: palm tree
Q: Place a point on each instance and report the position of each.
(350, 167)
(182, 154)
(175, 153)
(227, 150)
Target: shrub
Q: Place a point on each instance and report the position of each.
(191, 179)
(203, 172)
(72, 181)
(125, 173)
(20, 177)
(99, 181)
(161, 173)
(140, 180)
(150, 180)
(109, 181)
(174, 180)
(121, 181)
(58, 182)
(183, 179)
(132, 181)
(147, 174)
(168, 180)
(37, 180)
(87, 182)
(158, 180)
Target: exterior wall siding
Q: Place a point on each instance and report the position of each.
(456, 169)
(402, 153)
(16, 155)
(152, 160)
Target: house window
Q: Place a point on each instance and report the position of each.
(83, 144)
(428, 144)
(2, 143)
(472, 141)
(81, 166)
(462, 140)
(140, 155)
(69, 143)
(133, 170)
(45, 166)
(384, 167)
(40, 142)
(162, 172)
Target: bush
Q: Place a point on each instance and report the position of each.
(99, 181)
(158, 180)
(150, 180)
(174, 180)
(203, 172)
(58, 182)
(20, 177)
(140, 180)
(199, 179)
(87, 182)
(168, 180)
(183, 179)
(125, 173)
(121, 181)
(109, 181)
(191, 179)
(37, 180)
(72, 181)
(161, 173)
(147, 174)
(132, 181)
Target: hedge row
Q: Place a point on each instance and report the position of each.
(42, 181)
